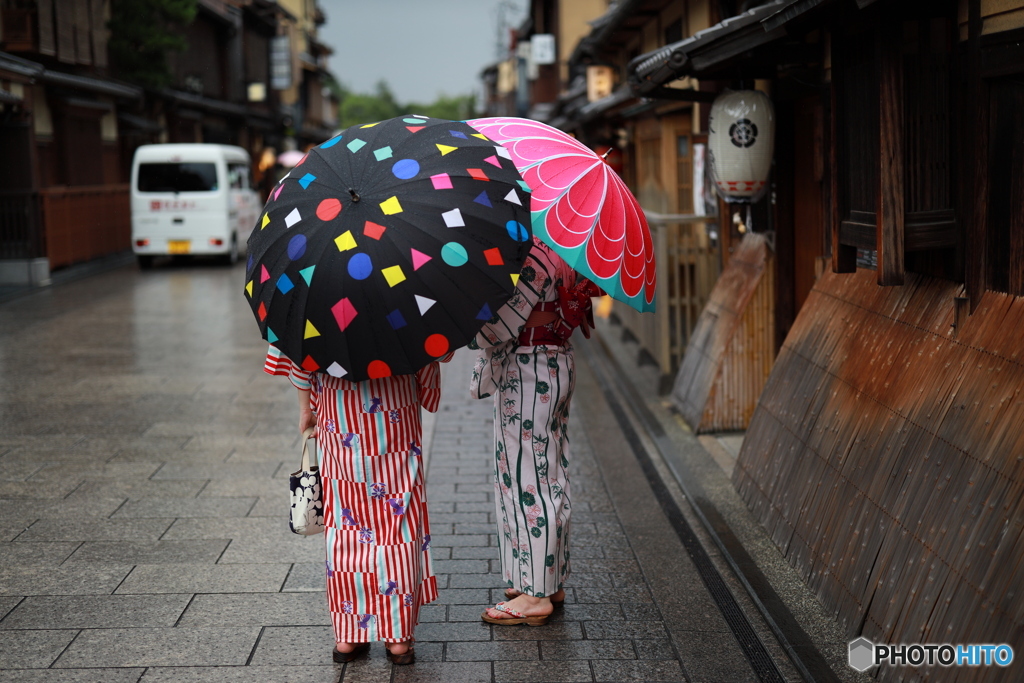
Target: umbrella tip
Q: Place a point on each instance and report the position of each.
(355, 195)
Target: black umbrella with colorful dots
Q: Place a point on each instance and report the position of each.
(388, 246)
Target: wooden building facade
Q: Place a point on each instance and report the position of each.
(69, 127)
(883, 455)
(64, 195)
(659, 142)
(695, 69)
(585, 93)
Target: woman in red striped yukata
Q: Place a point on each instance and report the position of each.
(377, 535)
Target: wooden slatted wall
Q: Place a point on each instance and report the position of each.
(687, 272)
(730, 354)
(64, 16)
(84, 223)
(886, 460)
(747, 361)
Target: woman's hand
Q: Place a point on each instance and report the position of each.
(307, 419)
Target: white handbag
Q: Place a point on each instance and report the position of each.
(307, 509)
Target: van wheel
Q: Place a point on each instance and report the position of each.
(145, 262)
(231, 258)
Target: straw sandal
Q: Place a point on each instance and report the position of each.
(359, 650)
(514, 618)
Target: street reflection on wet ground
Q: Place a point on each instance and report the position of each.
(144, 458)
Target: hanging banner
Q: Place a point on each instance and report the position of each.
(280, 63)
(543, 48)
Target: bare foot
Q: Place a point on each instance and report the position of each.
(524, 604)
(398, 648)
(512, 593)
(345, 648)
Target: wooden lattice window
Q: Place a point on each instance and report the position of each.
(927, 148)
(859, 141)
(18, 29)
(684, 174)
(674, 32)
(893, 141)
(1005, 229)
(651, 192)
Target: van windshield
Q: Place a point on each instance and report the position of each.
(178, 177)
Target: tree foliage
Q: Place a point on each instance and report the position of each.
(358, 108)
(455, 108)
(364, 108)
(143, 33)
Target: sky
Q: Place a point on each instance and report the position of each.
(422, 48)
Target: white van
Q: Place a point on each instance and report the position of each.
(191, 198)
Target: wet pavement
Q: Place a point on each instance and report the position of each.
(144, 458)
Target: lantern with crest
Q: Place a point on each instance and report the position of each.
(741, 132)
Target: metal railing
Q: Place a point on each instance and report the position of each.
(688, 266)
(21, 233)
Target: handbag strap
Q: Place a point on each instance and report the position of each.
(307, 436)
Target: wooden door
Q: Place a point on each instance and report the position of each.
(649, 168)
(808, 210)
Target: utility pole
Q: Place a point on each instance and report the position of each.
(508, 12)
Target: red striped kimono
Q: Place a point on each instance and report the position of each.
(379, 570)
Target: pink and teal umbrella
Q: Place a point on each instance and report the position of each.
(581, 208)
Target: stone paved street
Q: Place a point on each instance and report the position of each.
(144, 458)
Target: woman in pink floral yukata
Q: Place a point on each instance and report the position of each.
(527, 365)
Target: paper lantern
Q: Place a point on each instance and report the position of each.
(741, 133)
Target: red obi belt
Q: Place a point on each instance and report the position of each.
(553, 322)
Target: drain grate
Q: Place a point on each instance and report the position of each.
(760, 660)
